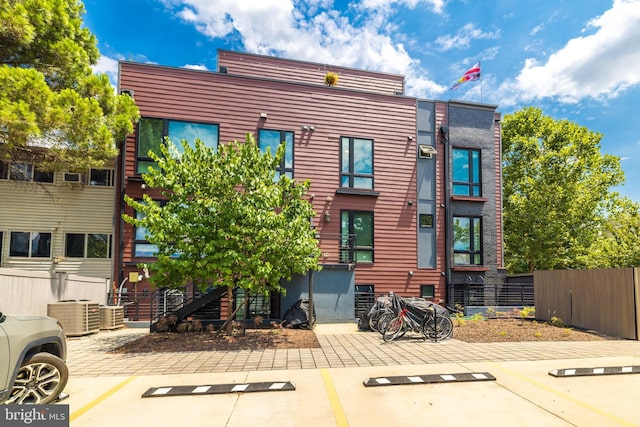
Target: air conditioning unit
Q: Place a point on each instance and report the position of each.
(111, 317)
(74, 177)
(76, 317)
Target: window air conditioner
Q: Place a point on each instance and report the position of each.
(73, 177)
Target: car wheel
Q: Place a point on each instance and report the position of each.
(40, 380)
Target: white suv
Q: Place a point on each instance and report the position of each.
(32, 359)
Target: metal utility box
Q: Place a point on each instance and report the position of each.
(111, 317)
(77, 317)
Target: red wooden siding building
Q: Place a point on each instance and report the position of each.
(418, 181)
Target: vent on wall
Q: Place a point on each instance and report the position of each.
(426, 151)
(77, 317)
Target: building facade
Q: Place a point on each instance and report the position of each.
(58, 222)
(416, 181)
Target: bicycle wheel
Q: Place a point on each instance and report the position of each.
(385, 318)
(393, 328)
(439, 330)
(375, 317)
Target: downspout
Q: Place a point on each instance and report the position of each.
(447, 208)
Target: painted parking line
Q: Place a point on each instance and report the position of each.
(193, 390)
(583, 372)
(566, 396)
(334, 400)
(428, 379)
(100, 399)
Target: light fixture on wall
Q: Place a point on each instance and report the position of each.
(410, 272)
(327, 217)
(263, 116)
(410, 138)
(443, 130)
(410, 203)
(308, 128)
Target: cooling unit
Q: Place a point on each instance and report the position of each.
(77, 317)
(111, 317)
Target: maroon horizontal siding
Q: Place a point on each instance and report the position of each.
(235, 103)
(307, 72)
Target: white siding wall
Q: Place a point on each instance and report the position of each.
(29, 292)
(56, 208)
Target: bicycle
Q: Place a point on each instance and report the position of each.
(430, 325)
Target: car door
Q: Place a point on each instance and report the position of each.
(4, 356)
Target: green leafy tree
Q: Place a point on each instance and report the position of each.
(618, 242)
(53, 110)
(226, 220)
(556, 191)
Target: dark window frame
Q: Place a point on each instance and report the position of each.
(473, 187)
(352, 232)
(137, 242)
(352, 175)
(30, 245)
(476, 256)
(35, 174)
(282, 167)
(86, 246)
(144, 157)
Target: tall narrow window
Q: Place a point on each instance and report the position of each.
(466, 173)
(150, 135)
(271, 140)
(359, 224)
(142, 247)
(356, 163)
(467, 240)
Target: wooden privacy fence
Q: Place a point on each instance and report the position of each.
(603, 300)
(29, 292)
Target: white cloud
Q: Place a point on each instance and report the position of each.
(436, 5)
(311, 30)
(536, 29)
(109, 66)
(462, 39)
(196, 67)
(598, 66)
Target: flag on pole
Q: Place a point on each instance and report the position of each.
(472, 73)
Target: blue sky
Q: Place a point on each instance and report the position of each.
(576, 60)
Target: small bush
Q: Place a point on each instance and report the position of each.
(556, 321)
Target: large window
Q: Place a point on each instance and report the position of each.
(271, 140)
(467, 240)
(16, 171)
(92, 245)
(360, 225)
(356, 163)
(30, 244)
(151, 133)
(466, 173)
(142, 247)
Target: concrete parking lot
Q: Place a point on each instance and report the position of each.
(330, 390)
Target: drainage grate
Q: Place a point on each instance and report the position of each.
(429, 379)
(191, 390)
